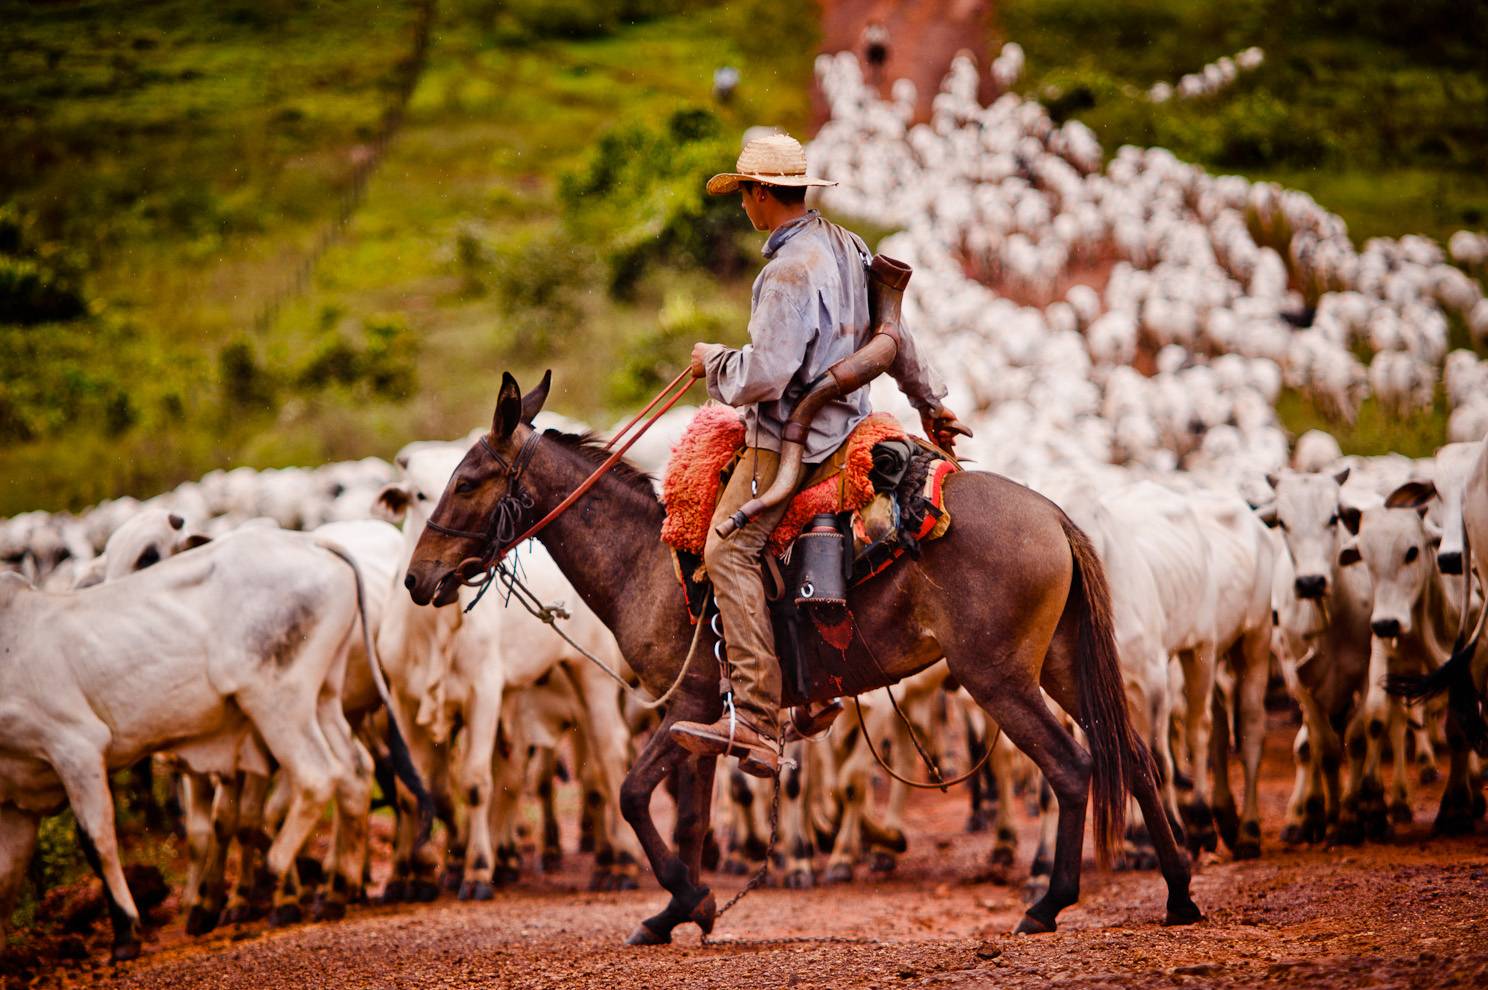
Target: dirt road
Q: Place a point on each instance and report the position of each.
(1412, 912)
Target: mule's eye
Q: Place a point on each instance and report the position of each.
(1411, 554)
(463, 486)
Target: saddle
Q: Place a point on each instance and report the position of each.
(880, 497)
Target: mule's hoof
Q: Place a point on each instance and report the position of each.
(328, 910)
(285, 914)
(645, 936)
(125, 951)
(1032, 926)
(840, 873)
(800, 880)
(882, 862)
(1185, 912)
(200, 921)
(424, 891)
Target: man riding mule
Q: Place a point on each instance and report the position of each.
(1013, 597)
(809, 311)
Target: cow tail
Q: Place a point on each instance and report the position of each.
(1116, 753)
(1454, 677)
(402, 760)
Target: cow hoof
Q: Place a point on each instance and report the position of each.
(1247, 848)
(599, 880)
(734, 866)
(1141, 858)
(1292, 834)
(1032, 926)
(424, 891)
(882, 862)
(839, 873)
(1346, 832)
(1185, 912)
(552, 860)
(977, 822)
(476, 890)
(125, 951)
(328, 910)
(624, 881)
(645, 936)
(453, 876)
(1429, 773)
(1034, 889)
(800, 880)
(1453, 821)
(1400, 812)
(200, 921)
(1001, 856)
(1228, 822)
(394, 892)
(285, 914)
(1041, 867)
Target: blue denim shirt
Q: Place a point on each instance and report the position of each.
(809, 311)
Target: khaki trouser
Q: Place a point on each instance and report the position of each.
(734, 566)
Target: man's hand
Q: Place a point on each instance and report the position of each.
(700, 354)
(942, 427)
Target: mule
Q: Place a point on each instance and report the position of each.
(1013, 597)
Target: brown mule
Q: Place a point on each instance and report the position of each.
(1030, 609)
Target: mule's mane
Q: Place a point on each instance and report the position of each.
(591, 448)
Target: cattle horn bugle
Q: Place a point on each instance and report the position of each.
(886, 281)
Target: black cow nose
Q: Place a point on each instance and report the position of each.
(1449, 562)
(1386, 628)
(1311, 586)
(409, 582)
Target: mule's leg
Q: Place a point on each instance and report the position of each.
(694, 811)
(85, 779)
(690, 901)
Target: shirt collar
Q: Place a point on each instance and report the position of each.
(786, 231)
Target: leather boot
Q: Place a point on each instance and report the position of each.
(755, 749)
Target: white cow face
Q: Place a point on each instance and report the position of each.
(426, 472)
(144, 540)
(1306, 510)
(1396, 543)
(1453, 464)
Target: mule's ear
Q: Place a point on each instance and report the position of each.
(391, 503)
(532, 402)
(1341, 476)
(1350, 517)
(508, 407)
(1411, 495)
(1349, 555)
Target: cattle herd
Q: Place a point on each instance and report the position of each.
(1117, 335)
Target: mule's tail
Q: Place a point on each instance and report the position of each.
(1116, 753)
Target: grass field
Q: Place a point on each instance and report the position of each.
(179, 162)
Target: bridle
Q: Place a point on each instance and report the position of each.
(500, 534)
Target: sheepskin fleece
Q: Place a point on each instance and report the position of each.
(694, 477)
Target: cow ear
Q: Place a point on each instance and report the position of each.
(1350, 516)
(1266, 513)
(1349, 555)
(176, 522)
(391, 503)
(193, 541)
(508, 408)
(532, 402)
(1341, 475)
(1411, 495)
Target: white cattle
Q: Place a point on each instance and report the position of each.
(193, 654)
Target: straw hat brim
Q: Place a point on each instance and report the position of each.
(726, 182)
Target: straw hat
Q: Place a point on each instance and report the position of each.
(775, 160)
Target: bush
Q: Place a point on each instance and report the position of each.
(245, 383)
(640, 199)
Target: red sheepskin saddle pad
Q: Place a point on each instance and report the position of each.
(700, 462)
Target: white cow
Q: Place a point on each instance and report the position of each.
(445, 665)
(193, 654)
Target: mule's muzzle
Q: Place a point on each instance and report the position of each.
(431, 583)
(1311, 586)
